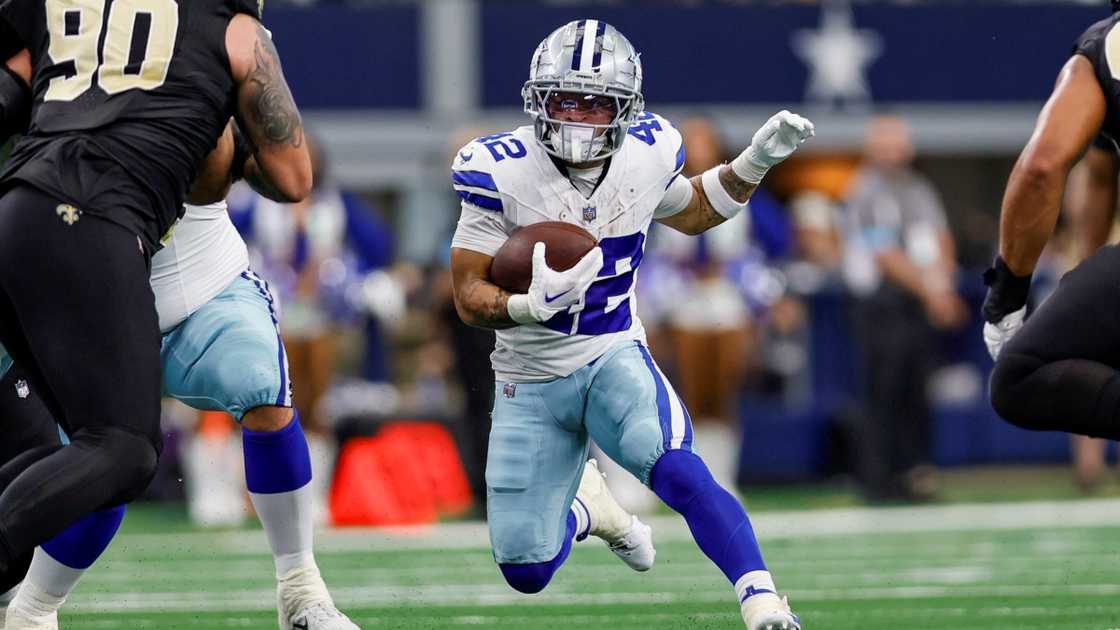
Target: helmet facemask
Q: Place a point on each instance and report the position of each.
(581, 141)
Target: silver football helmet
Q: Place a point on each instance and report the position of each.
(593, 62)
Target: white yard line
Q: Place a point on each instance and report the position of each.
(768, 525)
(499, 595)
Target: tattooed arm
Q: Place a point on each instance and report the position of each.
(478, 301)
(699, 215)
(280, 167)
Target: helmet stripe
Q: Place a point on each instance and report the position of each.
(578, 52)
(597, 59)
(585, 59)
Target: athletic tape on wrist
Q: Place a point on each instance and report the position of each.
(518, 308)
(747, 169)
(721, 200)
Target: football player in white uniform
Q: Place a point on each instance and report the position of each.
(221, 350)
(571, 360)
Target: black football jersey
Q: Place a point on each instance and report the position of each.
(1094, 45)
(130, 97)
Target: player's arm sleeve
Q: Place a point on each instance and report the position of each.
(1094, 45)
(17, 23)
(15, 104)
(248, 7)
(10, 41)
(479, 230)
(676, 199)
(1105, 143)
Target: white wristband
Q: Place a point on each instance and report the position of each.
(721, 200)
(747, 169)
(518, 307)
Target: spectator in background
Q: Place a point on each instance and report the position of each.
(326, 260)
(900, 262)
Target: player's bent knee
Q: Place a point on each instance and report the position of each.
(679, 476)
(140, 467)
(130, 458)
(1011, 395)
(528, 578)
(267, 418)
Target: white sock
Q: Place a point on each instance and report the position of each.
(286, 517)
(46, 587)
(754, 583)
(583, 519)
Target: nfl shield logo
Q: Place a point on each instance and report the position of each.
(589, 213)
(509, 390)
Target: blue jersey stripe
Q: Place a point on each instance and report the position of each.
(477, 179)
(680, 159)
(482, 201)
(578, 54)
(597, 58)
(664, 415)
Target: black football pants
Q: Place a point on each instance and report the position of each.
(78, 315)
(1059, 373)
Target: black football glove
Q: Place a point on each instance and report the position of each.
(1005, 305)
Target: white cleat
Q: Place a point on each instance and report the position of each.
(766, 611)
(303, 603)
(628, 537)
(19, 620)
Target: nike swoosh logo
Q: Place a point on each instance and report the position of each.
(553, 298)
(300, 625)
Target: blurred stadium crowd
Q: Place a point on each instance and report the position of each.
(832, 331)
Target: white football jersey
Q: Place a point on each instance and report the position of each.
(507, 181)
(200, 258)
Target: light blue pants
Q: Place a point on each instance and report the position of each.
(539, 441)
(227, 356)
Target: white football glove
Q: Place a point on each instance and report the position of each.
(771, 144)
(552, 292)
(998, 334)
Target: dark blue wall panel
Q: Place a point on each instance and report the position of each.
(730, 54)
(340, 58)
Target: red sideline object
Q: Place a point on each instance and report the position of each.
(408, 474)
(435, 449)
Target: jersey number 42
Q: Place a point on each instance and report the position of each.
(136, 52)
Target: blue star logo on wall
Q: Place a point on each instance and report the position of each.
(838, 55)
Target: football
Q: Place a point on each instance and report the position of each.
(565, 245)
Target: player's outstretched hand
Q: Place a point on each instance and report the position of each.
(551, 291)
(772, 143)
(1005, 305)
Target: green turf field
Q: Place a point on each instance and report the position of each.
(1048, 565)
